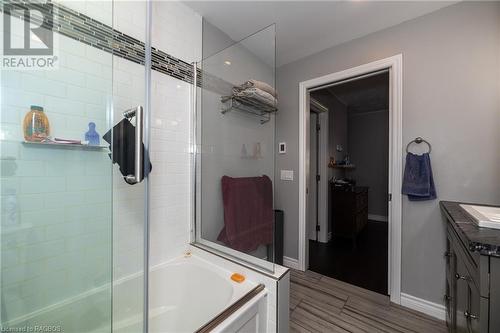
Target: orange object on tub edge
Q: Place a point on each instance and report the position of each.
(236, 277)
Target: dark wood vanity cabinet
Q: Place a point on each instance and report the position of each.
(472, 296)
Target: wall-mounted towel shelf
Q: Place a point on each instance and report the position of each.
(64, 145)
(248, 105)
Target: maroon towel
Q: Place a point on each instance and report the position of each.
(248, 212)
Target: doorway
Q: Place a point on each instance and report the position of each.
(358, 152)
(391, 68)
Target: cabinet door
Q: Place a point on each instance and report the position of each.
(450, 296)
(449, 305)
(462, 297)
(473, 308)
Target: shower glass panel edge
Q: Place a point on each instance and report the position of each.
(131, 222)
(222, 138)
(147, 141)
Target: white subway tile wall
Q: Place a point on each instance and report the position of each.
(58, 205)
(170, 131)
(177, 30)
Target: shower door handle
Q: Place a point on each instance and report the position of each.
(139, 151)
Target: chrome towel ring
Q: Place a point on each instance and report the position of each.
(418, 140)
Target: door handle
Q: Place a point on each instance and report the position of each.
(469, 315)
(462, 277)
(136, 112)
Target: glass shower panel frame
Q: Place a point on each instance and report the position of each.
(231, 142)
(132, 90)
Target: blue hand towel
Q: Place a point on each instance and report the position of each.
(418, 182)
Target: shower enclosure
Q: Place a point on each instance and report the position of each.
(86, 210)
(71, 227)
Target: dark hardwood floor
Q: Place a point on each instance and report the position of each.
(363, 266)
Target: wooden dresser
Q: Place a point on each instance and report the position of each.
(349, 211)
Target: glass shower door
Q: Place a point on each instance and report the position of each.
(72, 230)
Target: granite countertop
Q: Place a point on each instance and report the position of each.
(486, 241)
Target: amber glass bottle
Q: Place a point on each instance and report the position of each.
(36, 125)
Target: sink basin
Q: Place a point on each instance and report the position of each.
(484, 216)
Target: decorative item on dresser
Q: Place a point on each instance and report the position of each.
(472, 255)
(349, 211)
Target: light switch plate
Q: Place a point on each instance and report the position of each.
(282, 147)
(286, 175)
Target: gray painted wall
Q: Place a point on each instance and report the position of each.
(451, 92)
(338, 134)
(368, 149)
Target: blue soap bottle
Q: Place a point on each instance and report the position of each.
(92, 136)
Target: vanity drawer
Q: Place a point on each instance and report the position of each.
(361, 219)
(361, 201)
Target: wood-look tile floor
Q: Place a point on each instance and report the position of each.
(322, 304)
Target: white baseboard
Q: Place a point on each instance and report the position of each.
(379, 218)
(290, 262)
(421, 305)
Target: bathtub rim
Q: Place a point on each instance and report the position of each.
(260, 289)
(279, 270)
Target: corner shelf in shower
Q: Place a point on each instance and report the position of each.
(248, 105)
(64, 145)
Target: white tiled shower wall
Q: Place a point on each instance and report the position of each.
(56, 203)
(64, 197)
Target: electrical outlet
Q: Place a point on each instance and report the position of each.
(286, 175)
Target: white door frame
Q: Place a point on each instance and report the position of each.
(395, 66)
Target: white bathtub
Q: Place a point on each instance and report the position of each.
(188, 292)
(184, 294)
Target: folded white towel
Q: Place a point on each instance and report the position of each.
(259, 95)
(260, 85)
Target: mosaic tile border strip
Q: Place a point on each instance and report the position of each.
(85, 29)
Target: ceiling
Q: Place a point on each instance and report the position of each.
(304, 28)
(364, 95)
